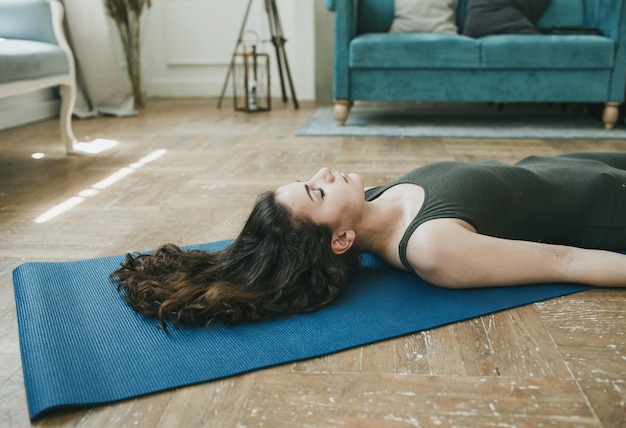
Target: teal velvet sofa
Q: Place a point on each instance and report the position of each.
(371, 64)
(34, 54)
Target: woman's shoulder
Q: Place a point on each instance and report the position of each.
(429, 246)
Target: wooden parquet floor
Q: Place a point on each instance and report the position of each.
(190, 173)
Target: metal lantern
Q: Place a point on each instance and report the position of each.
(251, 79)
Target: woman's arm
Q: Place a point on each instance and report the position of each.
(448, 253)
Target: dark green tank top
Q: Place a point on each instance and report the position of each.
(577, 199)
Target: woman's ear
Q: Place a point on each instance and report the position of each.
(342, 241)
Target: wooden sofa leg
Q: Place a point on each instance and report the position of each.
(341, 111)
(68, 97)
(610, 114)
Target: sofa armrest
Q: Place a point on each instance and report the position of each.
(41, 21)
(59, 33)
(345, 17)
(27, 20)
(605, 15)
(609, 16)
(345, 31)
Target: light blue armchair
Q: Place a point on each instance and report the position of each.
(34, 54)
(372, 64)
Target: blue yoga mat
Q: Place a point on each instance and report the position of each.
(81, 345)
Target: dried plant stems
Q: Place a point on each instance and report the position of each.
(127, 14)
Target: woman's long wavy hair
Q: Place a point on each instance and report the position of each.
(279, 264)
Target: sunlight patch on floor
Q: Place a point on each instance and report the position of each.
(96, 146)
(97, 187)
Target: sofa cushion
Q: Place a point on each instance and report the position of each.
(414, 50)
(485, 17)
(559, 13)
(419, 16)
(25, 59)
(547, 51)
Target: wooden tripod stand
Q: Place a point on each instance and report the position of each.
(278, 41)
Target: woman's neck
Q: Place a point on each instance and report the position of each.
(386, 218)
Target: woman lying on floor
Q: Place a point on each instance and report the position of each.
(456, 225)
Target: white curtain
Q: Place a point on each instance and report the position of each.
(104, 86)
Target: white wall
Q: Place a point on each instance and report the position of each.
(188, 44)
(187, 48)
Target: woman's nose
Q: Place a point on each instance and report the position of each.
(323, 175)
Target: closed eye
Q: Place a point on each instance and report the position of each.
(308, 191)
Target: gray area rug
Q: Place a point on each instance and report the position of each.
(462, 120)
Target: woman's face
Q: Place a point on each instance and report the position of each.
(329, 197)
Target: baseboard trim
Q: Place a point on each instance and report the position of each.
(14, 116)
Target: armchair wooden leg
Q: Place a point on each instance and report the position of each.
(341, 111)
(610, 114)
(68, 97)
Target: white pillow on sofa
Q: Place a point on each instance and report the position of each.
(425, 16)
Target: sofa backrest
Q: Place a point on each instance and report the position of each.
(376, 16)
(27, 20)
(560, 13)
(563, 13)
(461, 13)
